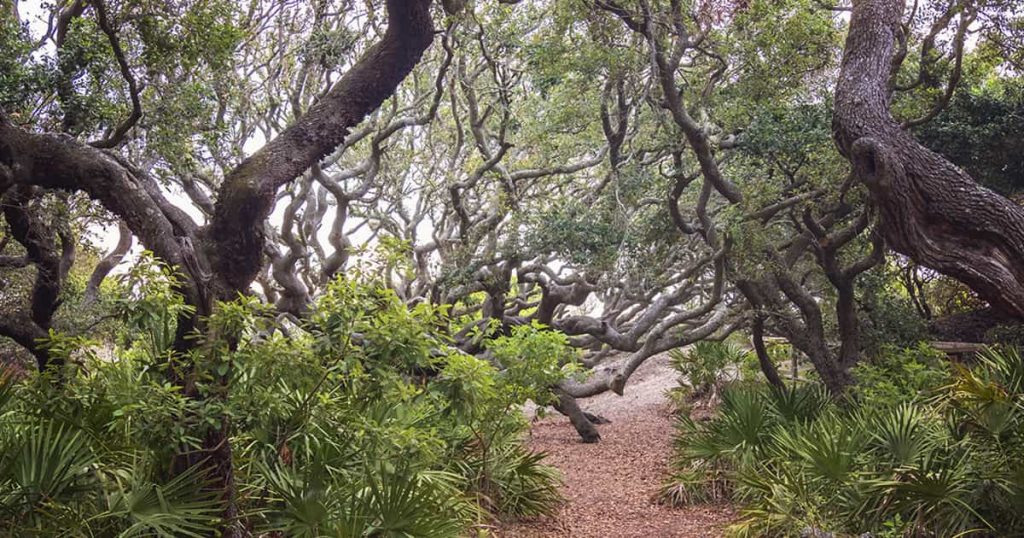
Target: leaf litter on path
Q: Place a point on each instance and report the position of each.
(610, 486)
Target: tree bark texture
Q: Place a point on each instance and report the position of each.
(567, 406)
(930, 210)
(764, 360)
(246, 197)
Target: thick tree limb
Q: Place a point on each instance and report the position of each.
(222, 260)
(60, 162)
(107, 264)
(247, 194)
(930, 210)
(567, 405)
(51, 263)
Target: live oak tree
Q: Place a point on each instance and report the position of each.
(217, 261)
(792, 201)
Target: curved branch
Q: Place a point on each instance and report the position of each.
(26, 328)
(122, 128)
(107, 264)
(930, 210)
(247, 194)
(954, 77)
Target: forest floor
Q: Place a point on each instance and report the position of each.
(610, 486)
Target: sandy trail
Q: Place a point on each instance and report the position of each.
(609, 486)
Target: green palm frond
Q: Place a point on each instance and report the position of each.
(404, 504)
(904, 435)
(6, 389)
(780, 501)
(988, 398)
(798, 403)
(176, 508)
(527, 487)
(745, 424)
(828, 447)
(300, 503)
(1006, 365)
(937, 497)
(54, 464)
(704, 363)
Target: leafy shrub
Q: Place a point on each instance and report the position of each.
(947, 464)
(511, 480)
(706, 455)
(1010, 334)
(359, 421)
(887, 317)
(900, 375)
(533, 360)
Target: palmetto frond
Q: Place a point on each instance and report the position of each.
(904, 435)
(53, 464)
(177, 508)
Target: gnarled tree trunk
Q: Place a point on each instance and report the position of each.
(221, 260)
(567, 406)
(931, 210)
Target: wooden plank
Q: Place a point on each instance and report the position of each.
(957, 347)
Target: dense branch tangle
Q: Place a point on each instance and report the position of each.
(446, 168)
(603, 197)
(219, 260)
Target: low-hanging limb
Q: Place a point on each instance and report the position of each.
(567, 406)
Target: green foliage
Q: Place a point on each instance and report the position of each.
(60, 473)
(707, 455)
(505, 477)
(510, 480)
(150, 304)
(779, 43)
(533, 360)
(790, 138)
(338, 428)
(900, 375)
(887, 317)
(705, 364)
(979, 131)
(21, 81)
(582, 235)
(375, 502)
(901, 461)
(182, 56)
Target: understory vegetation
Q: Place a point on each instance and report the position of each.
(360, 421)
(922, 448)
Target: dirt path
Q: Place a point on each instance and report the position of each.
(609, 486)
